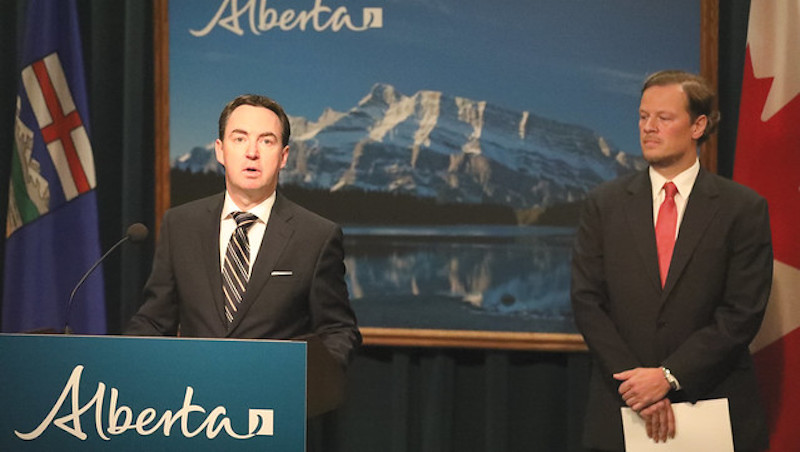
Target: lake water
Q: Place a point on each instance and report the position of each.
(499, 278)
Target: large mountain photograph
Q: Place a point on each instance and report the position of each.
(454, 141)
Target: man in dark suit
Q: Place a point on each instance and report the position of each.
(671, 273)
(249, 263)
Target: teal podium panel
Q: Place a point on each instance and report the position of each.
(109, 393)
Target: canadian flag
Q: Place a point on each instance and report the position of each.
(768, 160)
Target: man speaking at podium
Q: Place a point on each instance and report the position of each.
(249, 263)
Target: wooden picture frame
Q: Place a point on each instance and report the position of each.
(414, 337)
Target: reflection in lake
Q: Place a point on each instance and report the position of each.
(464, 277)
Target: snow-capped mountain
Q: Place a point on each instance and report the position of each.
(200, 159)
(450, 148)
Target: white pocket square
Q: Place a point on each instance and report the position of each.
(281, 273)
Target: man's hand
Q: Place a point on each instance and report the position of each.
(659, 420)
(642, 387)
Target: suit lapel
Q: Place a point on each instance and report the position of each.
(639, 214)
(701, 208)
(279, 231)
(211, 257)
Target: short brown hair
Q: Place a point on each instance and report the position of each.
(698, 92)
(256, 101)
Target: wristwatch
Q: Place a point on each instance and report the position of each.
(673, 382)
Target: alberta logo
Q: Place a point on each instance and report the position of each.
(189, 420)
(260, 17)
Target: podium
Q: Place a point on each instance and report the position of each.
(104, 393)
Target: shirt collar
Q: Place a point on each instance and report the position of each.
(261, 211)
(684, 181)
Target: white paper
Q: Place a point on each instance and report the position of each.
(702, 427)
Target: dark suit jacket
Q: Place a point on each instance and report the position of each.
(184, 291)
(699, 326)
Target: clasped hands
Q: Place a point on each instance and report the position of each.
(644, 390)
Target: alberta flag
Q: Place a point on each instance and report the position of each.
(52, 228)
(768, 160)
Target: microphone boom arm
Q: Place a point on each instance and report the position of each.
(136, 233)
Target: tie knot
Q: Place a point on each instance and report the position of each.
(244, 219)
(670, 190)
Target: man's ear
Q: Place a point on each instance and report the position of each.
(218, 152)
(699, 126)
(284, 156)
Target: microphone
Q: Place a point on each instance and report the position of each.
(136, 233)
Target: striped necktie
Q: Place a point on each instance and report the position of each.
(236, 268)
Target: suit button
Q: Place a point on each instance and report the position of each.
(661, 324)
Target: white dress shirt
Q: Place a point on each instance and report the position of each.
(683, 181)
(255, 235)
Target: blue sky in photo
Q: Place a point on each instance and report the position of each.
(576, 61)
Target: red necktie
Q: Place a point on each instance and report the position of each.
(665, 230)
